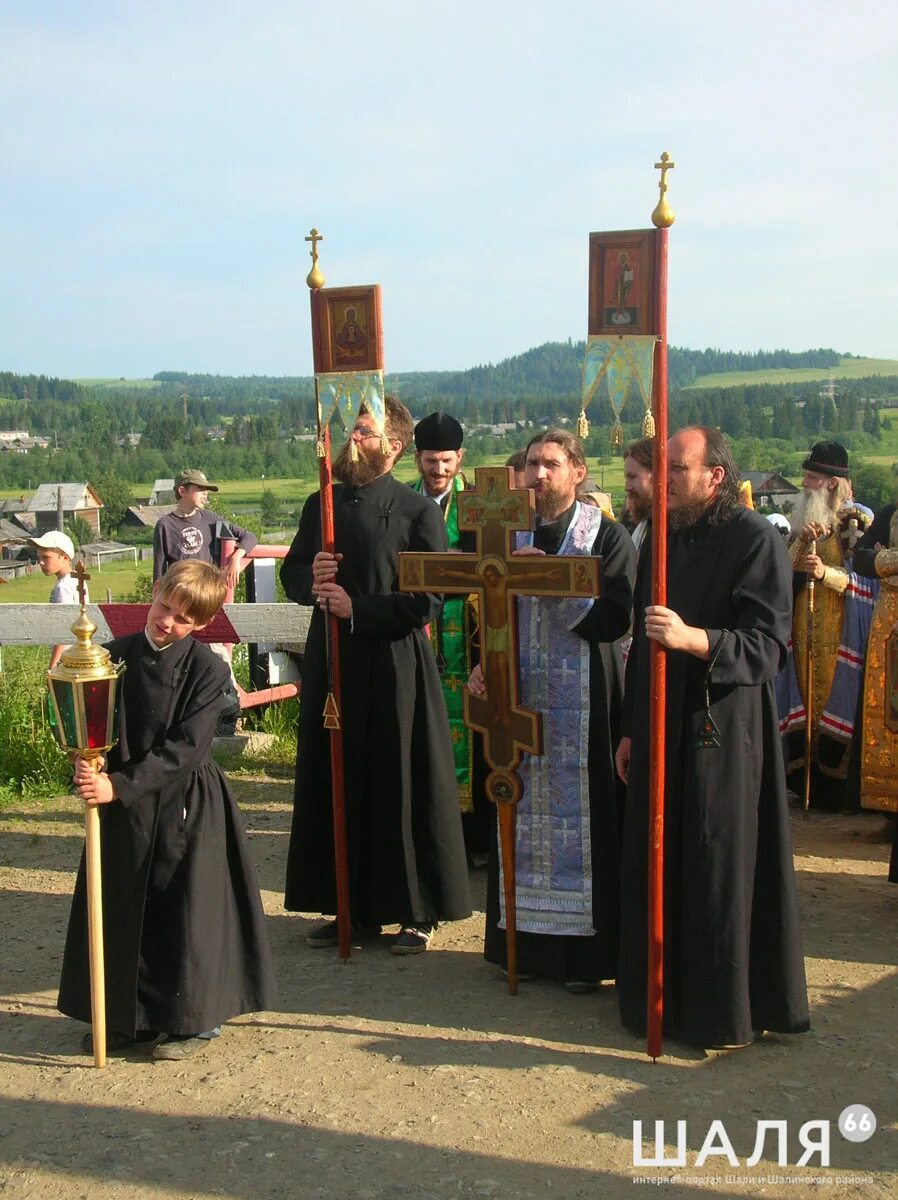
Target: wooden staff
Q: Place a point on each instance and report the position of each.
(95, 928)
(662, 219)
(658, 669)
(333, 708)
(809, 689)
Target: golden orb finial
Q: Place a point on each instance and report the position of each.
(663, 216)
(315, 278)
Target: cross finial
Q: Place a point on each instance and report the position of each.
(80, 572)
(663, 215)
(663, 166)
(315, 278)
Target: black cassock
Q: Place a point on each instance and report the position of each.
(184, 933)
(558, 956)
(404, 836)
(733, 960)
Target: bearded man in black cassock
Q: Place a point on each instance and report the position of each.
(570, 664)
(733, 962)
(406, 854)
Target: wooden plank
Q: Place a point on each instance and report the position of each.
(51, 624)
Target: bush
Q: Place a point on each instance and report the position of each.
(31, 763)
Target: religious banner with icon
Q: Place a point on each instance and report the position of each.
(622, 326)
(347, 329)
(348, 354)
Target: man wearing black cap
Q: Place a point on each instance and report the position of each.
(438, 457)
(842, 609)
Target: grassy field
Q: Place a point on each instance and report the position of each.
(848, 368)
(114, 383)
(118, 577)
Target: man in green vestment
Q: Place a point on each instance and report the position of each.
(438, 456)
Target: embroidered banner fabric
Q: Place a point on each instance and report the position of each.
(345, 392)
(624, 364)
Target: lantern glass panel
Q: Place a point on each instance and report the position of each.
(96, 713)
(64, 693)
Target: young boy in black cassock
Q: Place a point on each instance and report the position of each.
(184, 935)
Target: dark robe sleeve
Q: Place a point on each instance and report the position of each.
(753, 648)
(609, 617)
(188, 742)
(863, 561)
(296, 569)
(392, 615)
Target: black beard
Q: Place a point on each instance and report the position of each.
(550, 505)
(369, 466)
(686, 515)
(639, 508)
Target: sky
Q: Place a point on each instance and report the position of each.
(165, 161)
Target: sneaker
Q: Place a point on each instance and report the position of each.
(176, 1046)
(413, 939)
(328, 934)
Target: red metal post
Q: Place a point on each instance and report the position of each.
(658, 664)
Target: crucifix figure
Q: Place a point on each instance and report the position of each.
(494, 511)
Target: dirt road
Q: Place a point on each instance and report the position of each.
(421, 1077)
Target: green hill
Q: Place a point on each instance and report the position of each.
(846, 368)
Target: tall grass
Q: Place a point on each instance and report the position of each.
(31, 763)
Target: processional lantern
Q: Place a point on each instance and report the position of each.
(84, 691)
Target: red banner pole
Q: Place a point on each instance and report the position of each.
(333, 719)
(658, 664)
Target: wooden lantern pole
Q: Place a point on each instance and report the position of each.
(662, 218)
(95, 928)
(333, 705)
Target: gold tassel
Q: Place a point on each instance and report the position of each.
(582, 425)
(319, 447)
(648, 424)
(617, 435)
(384, 443)
(354, 450)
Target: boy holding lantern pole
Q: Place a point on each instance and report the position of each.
(184, 935)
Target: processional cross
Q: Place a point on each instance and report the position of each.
(80, 572)
(493, 511)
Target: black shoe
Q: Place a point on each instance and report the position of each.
(580, 987)
(328, 934)
(413, 939)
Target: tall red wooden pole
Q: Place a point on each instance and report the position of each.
(658, 665)
(662, 218)
(333, 720)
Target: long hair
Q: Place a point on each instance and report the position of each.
(572, 446)
(718, 454)
(642, 452)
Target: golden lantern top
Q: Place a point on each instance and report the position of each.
(84, 689)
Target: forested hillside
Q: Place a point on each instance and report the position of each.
(257, 427)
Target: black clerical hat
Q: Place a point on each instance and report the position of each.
(439, 431)
(827, 458)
